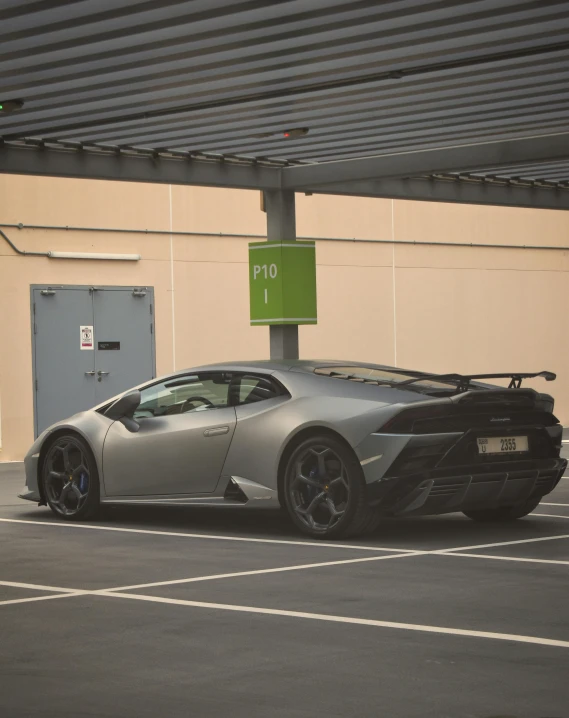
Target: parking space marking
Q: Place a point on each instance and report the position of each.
(506, 558)
(505, 543)
(543, 504)
(238, 574)
(179, 534)
(37, 587)
(501, 543)
(320, 544)
(342, 619)
(44, 598)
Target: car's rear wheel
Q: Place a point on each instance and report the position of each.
(324, 490)
(70, 479)
(504, 513)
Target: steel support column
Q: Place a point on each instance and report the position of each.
(281, 225)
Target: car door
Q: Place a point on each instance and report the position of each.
(186, 427)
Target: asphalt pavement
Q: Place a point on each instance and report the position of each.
(151, 612)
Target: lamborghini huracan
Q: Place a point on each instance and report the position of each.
(337, 445)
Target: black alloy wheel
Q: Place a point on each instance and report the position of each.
(70, 479)
(325, 490)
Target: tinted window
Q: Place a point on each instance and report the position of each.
(184, 394)
(248, 388)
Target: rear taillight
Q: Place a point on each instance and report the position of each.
(403, 422)
(454, 418)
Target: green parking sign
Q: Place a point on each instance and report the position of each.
(282, 282)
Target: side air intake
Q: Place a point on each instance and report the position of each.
(234, 492)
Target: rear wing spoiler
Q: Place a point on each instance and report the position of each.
(463, 380)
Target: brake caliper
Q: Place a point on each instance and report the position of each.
(83, 482)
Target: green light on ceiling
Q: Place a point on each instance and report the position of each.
(7, 106)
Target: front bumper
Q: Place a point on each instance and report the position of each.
(444, 490)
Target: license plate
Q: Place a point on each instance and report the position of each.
(502, 444)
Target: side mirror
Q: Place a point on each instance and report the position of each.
(123, 409)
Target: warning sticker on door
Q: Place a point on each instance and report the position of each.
(86, 337)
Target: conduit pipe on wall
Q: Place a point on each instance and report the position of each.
(264, 236)
(72, 255)
(21, 251)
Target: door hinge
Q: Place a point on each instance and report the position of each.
(35, 328)
(34, 307)
(36, 384)
(151, 329)
(151, 310)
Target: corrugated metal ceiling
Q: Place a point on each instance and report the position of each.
(230, 77)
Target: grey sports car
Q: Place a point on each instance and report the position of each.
(338, 445)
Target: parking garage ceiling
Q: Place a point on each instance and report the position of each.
(451, 101)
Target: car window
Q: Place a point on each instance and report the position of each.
(185, 394)
(248, 388)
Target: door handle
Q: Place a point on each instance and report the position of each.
(102, 373)
(217, 431)
(89, 373)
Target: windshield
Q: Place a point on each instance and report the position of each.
(387, 376)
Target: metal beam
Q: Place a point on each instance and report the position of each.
(135, 168)
(458, 191)
(420, 162)
(96, 165)
(281, 226)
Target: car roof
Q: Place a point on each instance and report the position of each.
(306, 365)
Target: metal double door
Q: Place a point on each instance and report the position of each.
(89, 343)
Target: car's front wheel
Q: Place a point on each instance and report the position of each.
(324, 490)
(70, 479)
(504, 513)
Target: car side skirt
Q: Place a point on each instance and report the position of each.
(239, 492)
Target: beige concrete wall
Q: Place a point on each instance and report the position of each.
(434, 308)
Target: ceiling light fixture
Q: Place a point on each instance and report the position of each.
(296, 132)
(7, 106)
(94, 255)
(287, 134)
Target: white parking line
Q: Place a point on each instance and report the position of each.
(178, 534)
(43, 598)
(319, 544)
(507, 558)
(237, 574)
(501, 543)
(301, 614)
(544, 504)
(344, 619)
(396, 554)
(37, 587)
